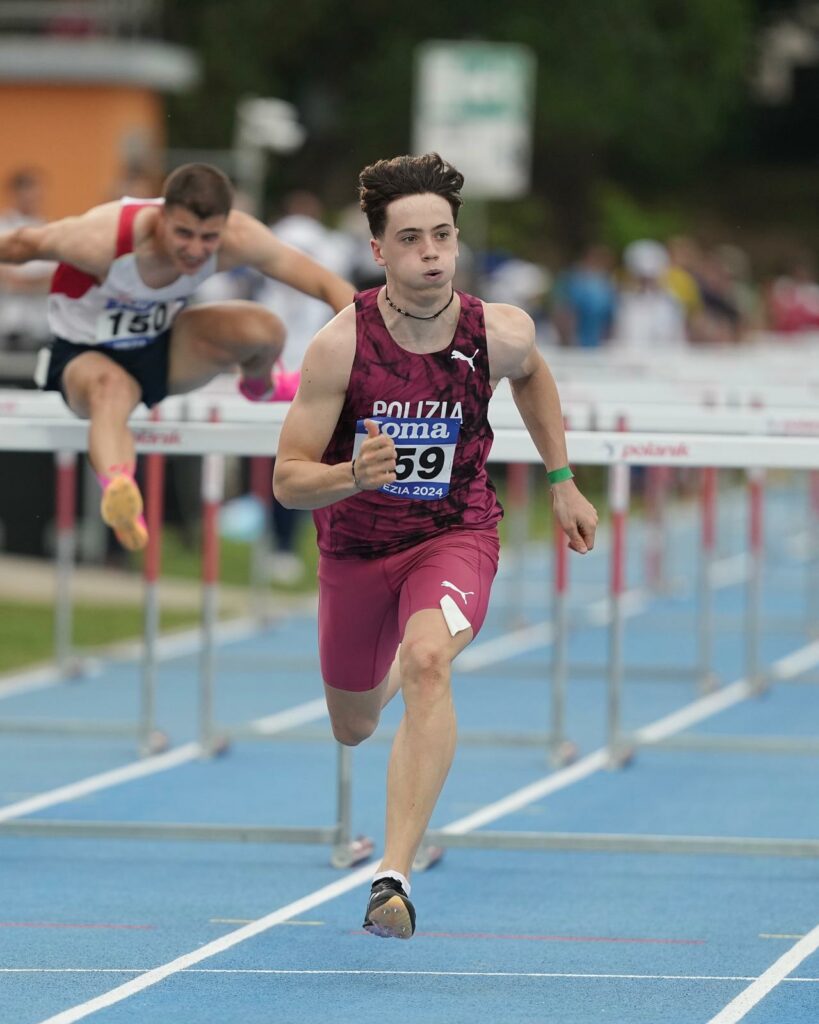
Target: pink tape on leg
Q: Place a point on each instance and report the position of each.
(286, 386)
(282, 388)
(256, 389)
(125, 469)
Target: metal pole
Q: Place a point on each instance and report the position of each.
(213, 487)
(656, 487)
(517, 489)
(812, 559)
(619, 487)
(345, 802)
(151, 741)
(561, 750)
(708, 505)
(261, 486)
(346, 850)
(753, 604)
(66, 481)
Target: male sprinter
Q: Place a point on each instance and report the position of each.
(387, 441)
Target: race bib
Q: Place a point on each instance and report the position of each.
(425, 450)
(137, 324)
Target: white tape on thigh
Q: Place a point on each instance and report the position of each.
(454, 617)
(41, 367)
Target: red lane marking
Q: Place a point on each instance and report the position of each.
(56, 924)
(554, 938)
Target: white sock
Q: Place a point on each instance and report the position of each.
(397, 876)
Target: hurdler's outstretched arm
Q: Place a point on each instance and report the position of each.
(513, 354)
(87, 242)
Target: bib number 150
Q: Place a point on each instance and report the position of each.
(123, 324)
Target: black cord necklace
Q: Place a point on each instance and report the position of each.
(412, 316)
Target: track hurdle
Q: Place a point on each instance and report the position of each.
(150, 739)
(512, 444)
(725, 452)
(154, 440)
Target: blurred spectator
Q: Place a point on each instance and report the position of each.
(721, 320)
(745, 293)
(793, 299)
(364, 271)
(24, 289)
(139, 182)
(585, 299)
(648, 316)
(520, 283)
(300, 226)
(682, 279)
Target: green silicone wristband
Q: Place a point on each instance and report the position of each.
(557, 476)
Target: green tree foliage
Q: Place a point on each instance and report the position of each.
(640, 88)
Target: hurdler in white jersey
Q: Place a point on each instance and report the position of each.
(121, 311)
(123, 332)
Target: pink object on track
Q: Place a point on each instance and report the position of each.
(281, 388)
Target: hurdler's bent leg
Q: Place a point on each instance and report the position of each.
(101, 391)
(216, 337)
(121, 508)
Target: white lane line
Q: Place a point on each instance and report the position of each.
(115, 777)
(586, 766)
(302, 714)
(541, 634)
(489, 652)
(732, 569)
(705, 707)
(250, 920)
(700, 709)
(290, 718)
(392, 973)
(283, 720)
(28, 681)
(171, 645)
(528, 794)
(182, 963)
(595, 613)
(761, 986)
(797, 663)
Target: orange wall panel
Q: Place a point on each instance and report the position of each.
(82, 137)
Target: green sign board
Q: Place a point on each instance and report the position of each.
(474, 104)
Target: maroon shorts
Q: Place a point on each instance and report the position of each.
(365, 604)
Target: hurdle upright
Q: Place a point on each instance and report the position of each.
(614, 449)
(59, 430)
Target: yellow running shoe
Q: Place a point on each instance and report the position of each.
(121, 509)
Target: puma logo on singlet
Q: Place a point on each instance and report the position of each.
(466, 359)
(452, 586)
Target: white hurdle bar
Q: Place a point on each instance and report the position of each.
(512, 444)
(154, 440)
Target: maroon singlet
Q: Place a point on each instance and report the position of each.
(386, 380)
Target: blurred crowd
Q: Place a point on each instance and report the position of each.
(660, 295)
(654, 293)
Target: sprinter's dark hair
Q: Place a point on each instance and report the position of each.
(386, 180)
